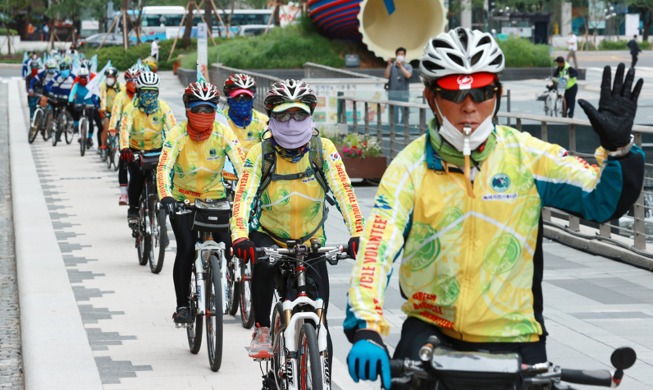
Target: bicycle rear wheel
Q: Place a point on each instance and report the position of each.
(310, 371)
(34, 127)
(157, 231)
(194, 329)
(277, 326)
(214, 315)
(233, 295)
(83, 131)
(145, 241)
(246, 309)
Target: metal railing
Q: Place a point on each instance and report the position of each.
(630, 238)
(317, 71)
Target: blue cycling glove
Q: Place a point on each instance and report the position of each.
(368, 358)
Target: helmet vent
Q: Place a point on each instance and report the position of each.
(455, 59)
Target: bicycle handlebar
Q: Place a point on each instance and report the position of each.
(332, 254)
(587, 377)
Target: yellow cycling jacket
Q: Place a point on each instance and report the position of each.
(145, 132)
(108, 95)
(252, 134)
(468, 264)
(188, 169)
(119, 103)
(293, 208)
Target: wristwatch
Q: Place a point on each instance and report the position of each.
(622, 151)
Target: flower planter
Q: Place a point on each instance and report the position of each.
(365, 168)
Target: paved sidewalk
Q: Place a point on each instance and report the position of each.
(92, 318)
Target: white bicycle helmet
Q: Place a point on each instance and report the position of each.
(201, 92)
(239, 81)
(83, 72)
(460, 51)
(290, 91)
(148, 80)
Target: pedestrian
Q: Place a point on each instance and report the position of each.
(565, 72)
(398, 72)
(154, 51)
(572, 45)
(46, 32)
(634, 49)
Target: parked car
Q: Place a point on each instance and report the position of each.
(250, 30)
(112, 39)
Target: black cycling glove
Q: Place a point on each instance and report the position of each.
(352, 247)
(168, 204)
(613, 121)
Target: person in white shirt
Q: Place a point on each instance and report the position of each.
(572, 45)
(154, 51)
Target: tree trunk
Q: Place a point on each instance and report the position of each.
(185, 42)
(648, 20)
(230, 17)
(125, 41)
(208, 8)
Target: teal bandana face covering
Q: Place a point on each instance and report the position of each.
(149, 101)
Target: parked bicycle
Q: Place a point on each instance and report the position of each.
(41, 120)
(554, 101)
(443, 368)
(150, 231)
(208, 293)
(300, 357)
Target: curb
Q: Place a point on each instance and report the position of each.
(55, 348)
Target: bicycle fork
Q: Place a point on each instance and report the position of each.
(204, 251)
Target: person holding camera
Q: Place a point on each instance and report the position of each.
(398, 73)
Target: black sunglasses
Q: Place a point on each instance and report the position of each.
(242, 98)
(202, 109)
(479, 95)
(284, 116)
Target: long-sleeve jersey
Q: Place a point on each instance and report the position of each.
(252, 134)
(141, 131)
(473, 266)
(39, 81)
(293, 208)
(121, 101)
(78, 95)
(188, 169)
(108, 95)
(59, 86)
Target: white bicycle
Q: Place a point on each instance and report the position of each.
(554, 102)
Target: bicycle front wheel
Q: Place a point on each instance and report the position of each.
(278, 346)
(36, 123)
(46, 125)
(559, 107)
(83, 131)
(245, 289)
(233, 296)
(194, 329)
(69, 129)
(61, 123)
(214, 315)
(157, 232)
(310, 371)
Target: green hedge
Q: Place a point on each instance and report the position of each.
(522, 53)
(122, 59)
(620, 45)
(8, 31)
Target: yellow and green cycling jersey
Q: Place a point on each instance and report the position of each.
(292, 209)
(121, 101)
(188, 169)
(252, 134)
(108, 95)
(473, 265)
(141, 131)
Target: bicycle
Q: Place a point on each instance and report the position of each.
(85, 120)
(207, 298)
(64, 121)
(113, 148)
(42, 120)
(300, 357)
(440, 367)
(554, 102)
(150, 232)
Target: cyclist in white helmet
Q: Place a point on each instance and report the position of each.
(143, 126)
(285, 200)
(461, 208)
(190, 167)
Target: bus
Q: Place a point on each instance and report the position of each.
(163, 22)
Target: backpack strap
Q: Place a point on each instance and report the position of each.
(317, 163)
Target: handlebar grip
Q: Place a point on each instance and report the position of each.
(397, 368)
(587, 377)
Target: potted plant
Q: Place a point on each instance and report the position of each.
(361, 155)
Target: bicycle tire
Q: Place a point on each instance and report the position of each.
(278, 346)
(47, 125)
(157, 251)
(214, 321)
(233, 294)
(247, 315)
(309, 359)
(144, 249)
(34, 128)
(116, 157)
(83, 131)
(194, 329)
(61, 122)
(559, 107)
(69, 129)
(110, 155)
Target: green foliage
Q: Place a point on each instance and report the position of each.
(123, 60)
(522, 53)
(288, 47)
(8, 31)
(620, 45)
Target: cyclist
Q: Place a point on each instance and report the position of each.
(121, 101)
(565, 71)
(34, 66)
(78, 96)
(291, 204)
(109, 89)
(58, 88)
(144, 124)
(38, 82)
(248, 124)
(190, 167)
(462, 206)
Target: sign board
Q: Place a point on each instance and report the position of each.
(632, 25)
(203, 49)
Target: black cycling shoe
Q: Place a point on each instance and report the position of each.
(182, 315)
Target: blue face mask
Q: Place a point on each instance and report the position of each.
(149, 101)
(240, 111)
(65, 73)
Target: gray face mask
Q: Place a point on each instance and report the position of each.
(292, 134)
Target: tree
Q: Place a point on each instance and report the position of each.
(185, 42)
